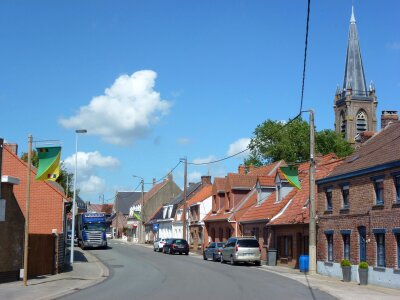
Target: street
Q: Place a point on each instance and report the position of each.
(136, 272)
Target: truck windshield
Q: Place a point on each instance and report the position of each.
(94, 227)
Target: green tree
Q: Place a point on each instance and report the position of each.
(274, 140)
(65, 179)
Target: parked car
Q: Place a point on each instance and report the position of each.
(172, 246)
(241, 249)
(109, 235)
(213, 251)
(158, 244)
(69, 234)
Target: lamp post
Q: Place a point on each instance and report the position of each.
(141, 231)
(77, 132)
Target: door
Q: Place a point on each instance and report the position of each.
(363, 243)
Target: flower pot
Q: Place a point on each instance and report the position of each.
(346, 273)
(363, 274)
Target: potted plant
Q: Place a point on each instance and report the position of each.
(346, 270)
(363, 272)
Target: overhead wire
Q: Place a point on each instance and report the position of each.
(305, 56)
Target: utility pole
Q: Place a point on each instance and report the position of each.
(28, 197)
(141, 222)
(312, 225)
(184, 201)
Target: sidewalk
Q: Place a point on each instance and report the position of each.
(336, 287)
(87, 271)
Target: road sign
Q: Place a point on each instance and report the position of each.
(155, 227)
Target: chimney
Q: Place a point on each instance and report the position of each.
(250, 168)
(242, 169)
(154, 181)
(205, 180)
(387, 117)
(12, 147)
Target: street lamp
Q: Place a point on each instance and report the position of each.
(77, 132)
(141, 231)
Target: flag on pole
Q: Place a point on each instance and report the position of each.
(291, 175)
(49, 163)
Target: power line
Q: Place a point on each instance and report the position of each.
(305, 57)
(248, 148)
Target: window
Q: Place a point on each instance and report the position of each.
(345, 195)
(361, 121)
(346, 246)
(329, 240)
(362, 232)
(378, 185)
(228, 232)
(380, 249)
(343, 124)
(214, 205)
(278, 192)
(397, 185)
(398, 249)
(285, 246)
(328, 194)
(228, 196)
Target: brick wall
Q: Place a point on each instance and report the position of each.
(46, 202)
(362, 212)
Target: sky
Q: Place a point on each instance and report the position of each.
(156, 81)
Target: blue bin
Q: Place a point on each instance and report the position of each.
(304, 263)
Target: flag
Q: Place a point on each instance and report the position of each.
(291, 175)
(49, 163)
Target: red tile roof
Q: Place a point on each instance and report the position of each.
(219, 184)
(267, 169)
(234, 180)
(382, 148)
(203, 194)
(297, 212)
(266, 180)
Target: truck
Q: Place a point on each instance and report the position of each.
(91, 230)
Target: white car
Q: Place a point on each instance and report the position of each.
(109, 235)
(159, 244)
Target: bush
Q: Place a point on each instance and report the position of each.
(345, 263)
(363, 265)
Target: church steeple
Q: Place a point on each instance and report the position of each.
(355, 105)
(354, 78)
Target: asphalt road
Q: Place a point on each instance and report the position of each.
(136, 272)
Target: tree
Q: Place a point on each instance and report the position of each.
(65, 179)
(274, 140)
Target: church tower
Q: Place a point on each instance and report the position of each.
(354, 105)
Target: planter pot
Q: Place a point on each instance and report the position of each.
(346, 273)
(363, 274)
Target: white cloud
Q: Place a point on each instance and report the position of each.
(183, 141)
(204, 160)
(194, 176)
(88, 163)
(237, 146)
(394, 45)
(125, 112)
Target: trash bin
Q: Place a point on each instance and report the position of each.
(271, 257)
(304, 263)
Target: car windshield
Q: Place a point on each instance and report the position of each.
(250, 243)
(180, 242)
(95, 227)
(220, 245)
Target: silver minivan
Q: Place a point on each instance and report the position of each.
(241, 249)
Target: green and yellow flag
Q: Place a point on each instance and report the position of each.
(291, 175)
(49, 163)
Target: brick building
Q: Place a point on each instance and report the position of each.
(359, 211)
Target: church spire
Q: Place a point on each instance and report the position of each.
(354, 78)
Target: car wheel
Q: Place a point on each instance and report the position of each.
(154, 249)
(213, 257)
(170, 251)
(204, 256)
(186, 253)
(232, 261)
(257, 263)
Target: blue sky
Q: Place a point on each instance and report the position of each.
(154, 81)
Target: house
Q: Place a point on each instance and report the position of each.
(12, 223)
(119, 219)
(171, 223)
(48, 203)
(199, 206)
(359, 211)
(229, 196)
(232, 196)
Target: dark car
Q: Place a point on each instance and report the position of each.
(213, 251)
(172, 246)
